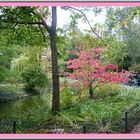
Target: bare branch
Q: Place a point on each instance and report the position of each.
(21, 22)
(44, 23)
(42, 32)
(87, 21)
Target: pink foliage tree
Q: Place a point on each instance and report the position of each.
(90, 71)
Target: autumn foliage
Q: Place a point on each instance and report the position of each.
(90, 71)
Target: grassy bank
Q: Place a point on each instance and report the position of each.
(9, 92)
(104, 114)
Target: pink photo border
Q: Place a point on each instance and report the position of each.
(69, 136)
(115, 3)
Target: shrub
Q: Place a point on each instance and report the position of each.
(135, 68)
(107, 90)
(7, 93)
(8, 89)
(34, 76)
(4, 73)
(66, 97)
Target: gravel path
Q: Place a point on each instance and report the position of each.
(136, 129)
(131, 87)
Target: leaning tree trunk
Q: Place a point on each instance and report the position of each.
(55, 74)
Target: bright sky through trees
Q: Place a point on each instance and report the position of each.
(64, 16)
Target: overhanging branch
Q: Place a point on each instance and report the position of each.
(45, 25)
(30, 23)
(42, 32)
(86, 21)
(43, 22)
(21, 22)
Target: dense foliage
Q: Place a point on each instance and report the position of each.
(34, 76)
(68, 65)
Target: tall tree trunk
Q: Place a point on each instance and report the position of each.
(90, 90)
(55, 74)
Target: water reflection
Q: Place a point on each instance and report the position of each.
(28, 105)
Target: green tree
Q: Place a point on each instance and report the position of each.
(116, 52)
(133, 43)
(34, 77)
(27, 19)
(7, 53)
(123, 23)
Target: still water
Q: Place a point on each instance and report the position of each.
(24, 106)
